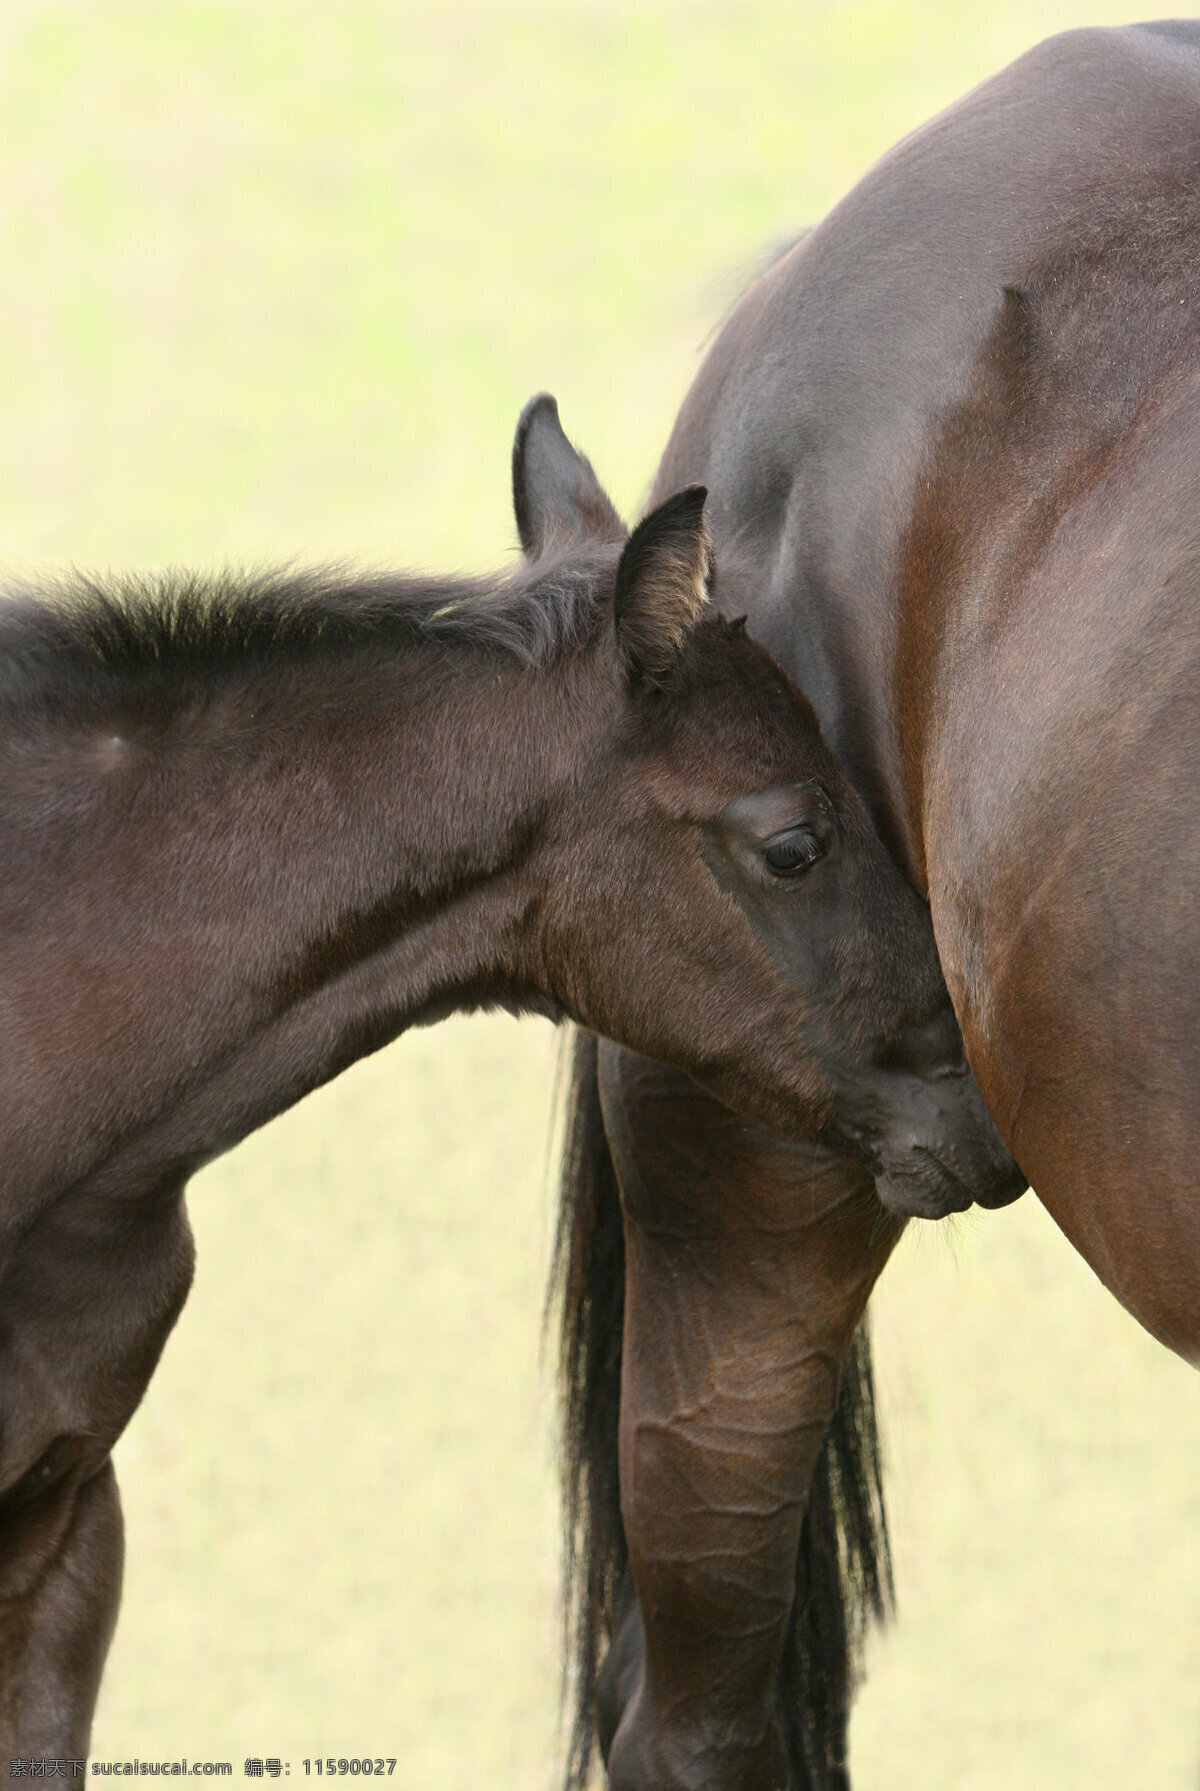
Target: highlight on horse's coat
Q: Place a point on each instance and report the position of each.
(255, 827)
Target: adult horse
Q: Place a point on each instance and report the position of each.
(952, 444)
(253, 829)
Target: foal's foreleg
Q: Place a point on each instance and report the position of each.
(748, 1265)
(87, 1300)
(54, 1635)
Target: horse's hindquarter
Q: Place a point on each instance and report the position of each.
(953, 438)
(1061, 824)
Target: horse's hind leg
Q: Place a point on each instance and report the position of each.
(749, 1261)
(86, 1302)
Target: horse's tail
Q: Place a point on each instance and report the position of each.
(843, 1581)
(587, 1283)
(843, 1569)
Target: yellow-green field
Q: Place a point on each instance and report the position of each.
(275, 281)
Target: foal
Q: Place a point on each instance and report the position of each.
(252, 829)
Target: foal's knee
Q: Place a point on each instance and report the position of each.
(61, 1555)
(42, 1505)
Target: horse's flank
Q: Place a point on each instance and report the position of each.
(971, 500)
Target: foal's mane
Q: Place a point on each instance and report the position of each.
(67, 636)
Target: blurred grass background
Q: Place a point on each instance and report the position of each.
(275, 281)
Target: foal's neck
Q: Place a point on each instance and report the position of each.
(397, 793)
(232, 886)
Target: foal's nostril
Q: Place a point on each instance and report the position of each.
(949, 1072)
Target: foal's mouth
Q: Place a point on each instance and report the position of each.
(930, 1143)
(922, 1186)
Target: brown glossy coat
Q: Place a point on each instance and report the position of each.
(956, 429)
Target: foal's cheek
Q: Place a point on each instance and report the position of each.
(796, 922)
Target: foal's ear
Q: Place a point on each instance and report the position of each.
(662, 585)
(555, 491)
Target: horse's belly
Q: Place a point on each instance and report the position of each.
(1062, 827)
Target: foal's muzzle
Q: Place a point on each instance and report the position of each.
(928, 1137)
(947, 1157)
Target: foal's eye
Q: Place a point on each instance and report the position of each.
(793, 851)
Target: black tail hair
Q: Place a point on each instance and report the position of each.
(843, 1568)
(587, 1285)
(843, 1581)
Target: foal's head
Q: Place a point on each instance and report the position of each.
(717, 896)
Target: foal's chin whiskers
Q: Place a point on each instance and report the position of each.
(881, 1213)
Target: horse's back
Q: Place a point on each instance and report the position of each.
(825, 393)
(953, 433)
